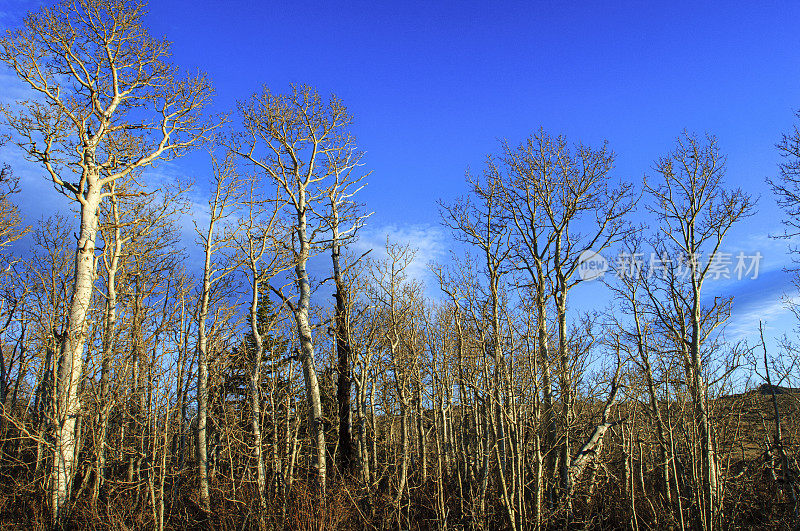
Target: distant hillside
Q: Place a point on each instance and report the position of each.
(767, 389)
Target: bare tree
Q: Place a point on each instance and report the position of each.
(262, 263)
(778, 446)
(95, 70)
(694, 213)
(787, 189)
(130, 215)
(344, 219)
(478, 220)
(295, 140)
(396, 296)
(787, 185)
(637, 338)
(215, 237)
(563, 206)
(11, 226)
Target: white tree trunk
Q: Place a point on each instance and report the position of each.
(202, 378)
(301, 311)
(109, 337)
(255, 383)
(68, 402)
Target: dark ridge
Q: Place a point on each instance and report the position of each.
(767, 389)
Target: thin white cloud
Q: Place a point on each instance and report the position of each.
(773, 312)
(429, 241)
(775, 251)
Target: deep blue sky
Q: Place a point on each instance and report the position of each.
(433, 86)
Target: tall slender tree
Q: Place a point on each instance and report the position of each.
(215, 238)
(695, 212)
(296, 139)
(107, 103)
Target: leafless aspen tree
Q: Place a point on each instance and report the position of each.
(478, 220)
(262, 263)
(214, 238)
(95, 69)
(131, 214)
(563, 206)
(395, 294)
(694, 212)
(787, 185)
(778, 447)
(364, 335)
(11, 226)
(296, 139)
(12, 298)
(344, 220)
(637, 337)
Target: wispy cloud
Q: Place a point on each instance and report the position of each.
(773, 313)
(775, 251)
(429, 241)
(765, 299)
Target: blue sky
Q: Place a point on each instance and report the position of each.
(434, 85)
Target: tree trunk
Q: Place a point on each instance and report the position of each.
(255, 386)
(202, 380)
(403, 479)
(301, 314)
(565, 378)
(343, 351)
(788, 474)
(109, 337)
(547, 386)
(423, 450)
(708, 460)
(68, 402)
